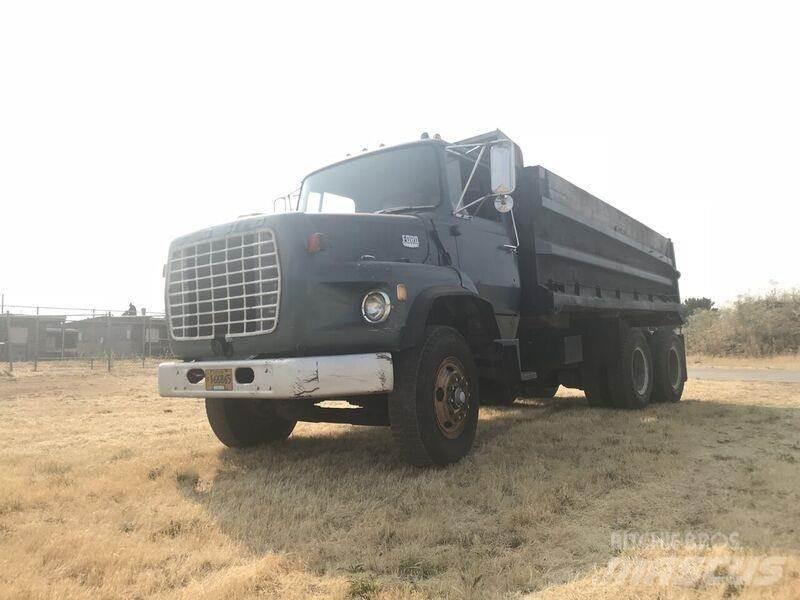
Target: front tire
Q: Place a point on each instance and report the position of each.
(433, 409)
(242, 423)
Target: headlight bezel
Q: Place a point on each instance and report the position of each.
(387, 303)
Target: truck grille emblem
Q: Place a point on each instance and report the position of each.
(411, 241)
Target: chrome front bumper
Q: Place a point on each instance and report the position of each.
(282, 378)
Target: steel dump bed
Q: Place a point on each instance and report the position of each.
(578, 253)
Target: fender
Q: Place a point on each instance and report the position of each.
(414, 331)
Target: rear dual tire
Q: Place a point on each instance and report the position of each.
(630, 376)
(644, 370)
(669, 359)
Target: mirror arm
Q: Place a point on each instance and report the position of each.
(459, 208)
(474, 202)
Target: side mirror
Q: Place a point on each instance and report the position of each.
(503, 165)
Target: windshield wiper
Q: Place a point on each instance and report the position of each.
(397, 209)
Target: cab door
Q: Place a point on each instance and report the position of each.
(486, 244)
(486, 255)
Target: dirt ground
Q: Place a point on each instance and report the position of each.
(108, 491)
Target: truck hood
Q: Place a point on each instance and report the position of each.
(318, 293)
(344, 237)
(348, 237)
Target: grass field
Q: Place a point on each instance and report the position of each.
(107, 490)
(782, 361)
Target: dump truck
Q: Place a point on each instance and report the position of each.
(414, 284)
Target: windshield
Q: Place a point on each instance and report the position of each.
(389, 181)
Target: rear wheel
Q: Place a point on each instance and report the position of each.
(241, 423)
(630, 377)
(668, 366)
(433, 409)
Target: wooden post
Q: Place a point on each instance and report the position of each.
(36, 343)
(8, 342)
(108, 340)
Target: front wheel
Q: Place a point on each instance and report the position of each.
(433, 409)
(241, 423)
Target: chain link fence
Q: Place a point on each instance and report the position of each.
(91, 338)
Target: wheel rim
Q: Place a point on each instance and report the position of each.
(674, 368)
(452, 397)
(640, 371)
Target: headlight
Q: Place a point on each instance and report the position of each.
(375, 307)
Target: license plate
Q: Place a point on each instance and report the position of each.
(219, 380)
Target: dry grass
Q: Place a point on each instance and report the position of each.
(782, 361)
(107, 490)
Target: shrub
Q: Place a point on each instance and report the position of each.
(753, 326)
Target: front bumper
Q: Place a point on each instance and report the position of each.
(323, 377)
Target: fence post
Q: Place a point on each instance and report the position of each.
(62, 338)
(108, 340)
(36, 343)
(144, 336)
(94, 341)
(8, 342)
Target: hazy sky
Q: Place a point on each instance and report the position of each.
(124, 125)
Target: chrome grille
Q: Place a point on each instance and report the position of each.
(224, 287)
